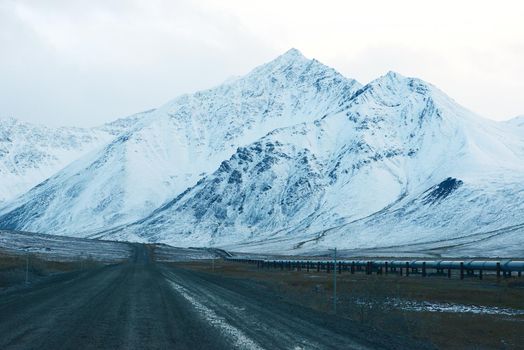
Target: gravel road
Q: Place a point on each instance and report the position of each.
(145, 305)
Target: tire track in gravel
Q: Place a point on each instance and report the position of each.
(266, 321)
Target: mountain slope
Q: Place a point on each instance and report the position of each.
(401, 163)
(176, 145)
(31, 153)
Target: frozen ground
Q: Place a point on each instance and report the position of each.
(167, 253)
(61, 248)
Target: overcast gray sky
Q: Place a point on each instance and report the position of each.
(87, 62)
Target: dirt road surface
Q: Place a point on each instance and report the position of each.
(146, 305)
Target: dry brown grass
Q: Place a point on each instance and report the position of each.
(362, 298)
(13, 268)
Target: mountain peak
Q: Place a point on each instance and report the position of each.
(289, 58)
(292, 68)
(293, 53)
(293, 63)
(392, 73)
(394, 76)
(397, 82)
(9, 121)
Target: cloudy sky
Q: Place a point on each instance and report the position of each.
(87, 62)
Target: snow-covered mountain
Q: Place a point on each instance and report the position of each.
(30, 153)
(293, 157)
(517, 123)
(176, 145)
(402, 163)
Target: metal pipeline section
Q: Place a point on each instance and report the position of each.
(485, 265)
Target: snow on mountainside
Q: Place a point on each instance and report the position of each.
(125, 124)
(176, 145)
(295, 158)
(401, 164)
(517, 123)
(31, 153)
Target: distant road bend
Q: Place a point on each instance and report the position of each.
(146, 305)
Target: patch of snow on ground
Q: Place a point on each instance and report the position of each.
(62, 248)
(427, 306)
